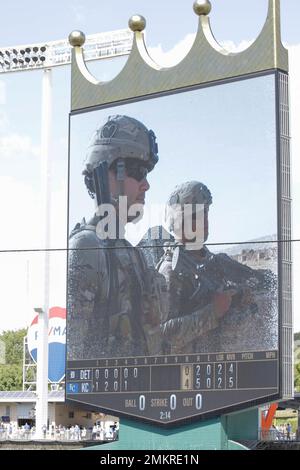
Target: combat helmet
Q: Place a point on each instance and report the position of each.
(191, 192)
(121, 137)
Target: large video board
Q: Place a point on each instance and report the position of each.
(173, 264)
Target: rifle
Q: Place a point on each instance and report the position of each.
(210, 276)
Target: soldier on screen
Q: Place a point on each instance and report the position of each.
(215, 303)
(115, 301)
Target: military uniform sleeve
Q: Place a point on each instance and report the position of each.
(181, 328)
(85, 272)
(184, 329)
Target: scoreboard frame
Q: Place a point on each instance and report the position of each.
(206, 65)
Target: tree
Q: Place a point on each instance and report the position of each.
(297, 377)
(11, 374)
(296, 336)
(13, 341)
(11, 377)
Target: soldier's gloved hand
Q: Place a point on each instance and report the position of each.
(222, 302)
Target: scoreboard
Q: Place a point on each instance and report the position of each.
(167, 389)
(127, 302)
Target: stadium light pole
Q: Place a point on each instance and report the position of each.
(41, 415)
(45, 57)
(42, 352)
(51, 54)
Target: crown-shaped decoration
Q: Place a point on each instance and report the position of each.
(206, 62)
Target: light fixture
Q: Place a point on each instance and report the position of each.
(38, 310)
(55, 53)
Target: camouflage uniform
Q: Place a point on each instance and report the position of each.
(114, 300)
(186, 319)
(192, 279)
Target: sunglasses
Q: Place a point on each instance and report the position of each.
(137, 172)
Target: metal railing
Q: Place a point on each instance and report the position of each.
(278, 435)
(62, 434)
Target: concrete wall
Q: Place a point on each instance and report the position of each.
(64, 412)
(13, 411)
(58, 413)
(209, 435)
(63, 415)
(243, 425)
(218, 434)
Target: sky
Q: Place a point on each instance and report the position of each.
(171, 26)
(204, 134)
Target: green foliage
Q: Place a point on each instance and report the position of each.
(30, 374)
(13, 341)
(297, 377)
(296, 336)
(283, 422)
(11, 377)
(11, 373)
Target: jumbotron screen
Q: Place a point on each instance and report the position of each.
(173, 264)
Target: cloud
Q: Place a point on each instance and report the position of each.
(173, 56)
(181, 49)
(231, 46)
(79, 13)
(20, 211)
(2, 92)
(20, 227)
(22, 274)
(3, 121)
(3, 116)
(14, 145)
(14, 311)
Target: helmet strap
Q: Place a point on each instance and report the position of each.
(120, 176)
